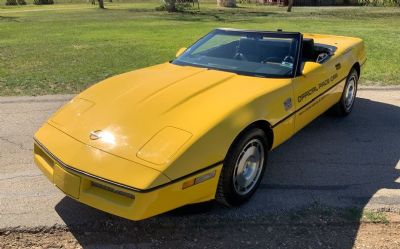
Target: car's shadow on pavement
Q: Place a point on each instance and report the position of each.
(333, 164)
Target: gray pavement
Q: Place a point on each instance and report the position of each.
(333, 162)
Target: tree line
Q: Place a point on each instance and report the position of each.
(175, 5)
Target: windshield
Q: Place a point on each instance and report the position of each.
(261, 54)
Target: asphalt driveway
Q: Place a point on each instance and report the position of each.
(350, 162)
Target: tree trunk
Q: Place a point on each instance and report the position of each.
(226, 3)
(290, 5)
(101, 4)
(170, 5)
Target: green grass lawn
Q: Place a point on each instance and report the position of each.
(64, 48)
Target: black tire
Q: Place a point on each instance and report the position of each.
(227, 193)
(342, 108)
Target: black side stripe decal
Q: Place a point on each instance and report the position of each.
(315, 98)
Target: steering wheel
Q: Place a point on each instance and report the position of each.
(239, 56)
(288, 59)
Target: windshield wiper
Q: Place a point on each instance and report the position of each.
(221, 66)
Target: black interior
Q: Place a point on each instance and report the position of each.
(252, 50)
(308, 50)
(264, 50)
(315, 52)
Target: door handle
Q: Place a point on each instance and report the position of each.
(338, 66)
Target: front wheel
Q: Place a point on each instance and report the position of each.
(243, 168)
(346, 103)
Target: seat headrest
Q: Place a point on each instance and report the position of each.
(308, 49)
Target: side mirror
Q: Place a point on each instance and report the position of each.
(309, 66)
(180, 51)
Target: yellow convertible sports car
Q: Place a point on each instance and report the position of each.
(199, 127)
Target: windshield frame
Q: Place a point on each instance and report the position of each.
(272, 34)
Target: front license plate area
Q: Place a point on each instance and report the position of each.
(67, 182)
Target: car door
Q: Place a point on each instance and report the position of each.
(313, 92)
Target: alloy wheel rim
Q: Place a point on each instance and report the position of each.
(350, 93)
(248, 166)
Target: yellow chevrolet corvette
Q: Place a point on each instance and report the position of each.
(199, 127)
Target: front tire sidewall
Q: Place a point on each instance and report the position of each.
(230, 196)
(343, 109)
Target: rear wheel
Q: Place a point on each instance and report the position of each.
(243, 168)
(346, 103)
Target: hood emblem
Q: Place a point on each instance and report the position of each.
(94, 135)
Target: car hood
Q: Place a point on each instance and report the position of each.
(164, 101)
(151, 115)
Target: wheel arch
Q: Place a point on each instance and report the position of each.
(357, 67)
(263, 125)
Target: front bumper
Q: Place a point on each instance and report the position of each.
(121, 199)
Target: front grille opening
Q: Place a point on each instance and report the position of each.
(113, 190)
(38, 151)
